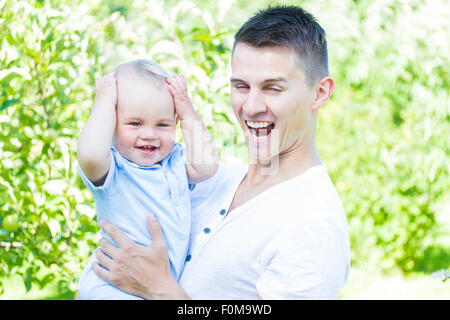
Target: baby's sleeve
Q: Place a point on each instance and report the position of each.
(180, 153)
(95, 189)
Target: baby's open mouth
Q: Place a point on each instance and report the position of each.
(260, 128)
(147, 149)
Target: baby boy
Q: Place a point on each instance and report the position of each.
(129, 160)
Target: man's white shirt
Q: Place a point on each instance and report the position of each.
(289, 242)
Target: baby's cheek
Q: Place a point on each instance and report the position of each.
(124, 138)
(171, 139)
(166, 139)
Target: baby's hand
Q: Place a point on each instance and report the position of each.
(106, 89)
(178, 89)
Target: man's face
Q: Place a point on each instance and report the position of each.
(145, 128)
(271, 99)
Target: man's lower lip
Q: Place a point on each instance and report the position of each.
(258, 139)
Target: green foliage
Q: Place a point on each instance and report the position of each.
(383, 135)
(47, 57)
(389, 123)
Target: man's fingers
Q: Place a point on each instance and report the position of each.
(103, 259)
(115, 233)
(101, 272)
(155, 230)
(108, 248)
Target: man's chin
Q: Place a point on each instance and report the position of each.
(269, 165)
(263, 148)
(264, 157)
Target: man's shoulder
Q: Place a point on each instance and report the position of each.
(234, 170)
(310, 195)
(222, 184)
(226, 174)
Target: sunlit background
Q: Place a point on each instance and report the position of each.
(384, 135)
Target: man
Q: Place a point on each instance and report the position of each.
(275, 229)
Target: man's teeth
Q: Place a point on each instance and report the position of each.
(258, 124)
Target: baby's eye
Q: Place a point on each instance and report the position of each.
(163, 125)
(135, 124)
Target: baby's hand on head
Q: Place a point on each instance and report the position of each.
(106, 89)
(178, 89)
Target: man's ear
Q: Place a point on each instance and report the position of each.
(322, 92)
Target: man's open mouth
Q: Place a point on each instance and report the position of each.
(260, 128)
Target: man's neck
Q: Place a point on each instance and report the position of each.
(261, 177)
(284, 167)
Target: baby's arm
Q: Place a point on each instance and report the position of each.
(95, 140)
(201, 156)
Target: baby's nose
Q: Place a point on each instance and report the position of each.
(148, 134)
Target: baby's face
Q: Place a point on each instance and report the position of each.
(145, 127)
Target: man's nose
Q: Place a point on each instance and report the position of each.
(254, 103)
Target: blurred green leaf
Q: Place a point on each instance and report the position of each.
(9, 103)
(28, 279)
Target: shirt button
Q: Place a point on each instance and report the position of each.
(207, 230)
(188, 258)
(223, 211)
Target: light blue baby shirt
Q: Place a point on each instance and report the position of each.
(131, 192)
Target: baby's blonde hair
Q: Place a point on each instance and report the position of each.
(147, 68)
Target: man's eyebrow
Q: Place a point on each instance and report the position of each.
(232, 80)
(278, 79)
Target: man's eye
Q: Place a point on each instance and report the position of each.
(241, 86)
(273, 89)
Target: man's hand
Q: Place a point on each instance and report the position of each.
(140, 270)
(183, 106)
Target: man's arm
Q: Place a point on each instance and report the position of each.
(95, 140)
(201, 155)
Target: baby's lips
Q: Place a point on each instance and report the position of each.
(148, 146)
